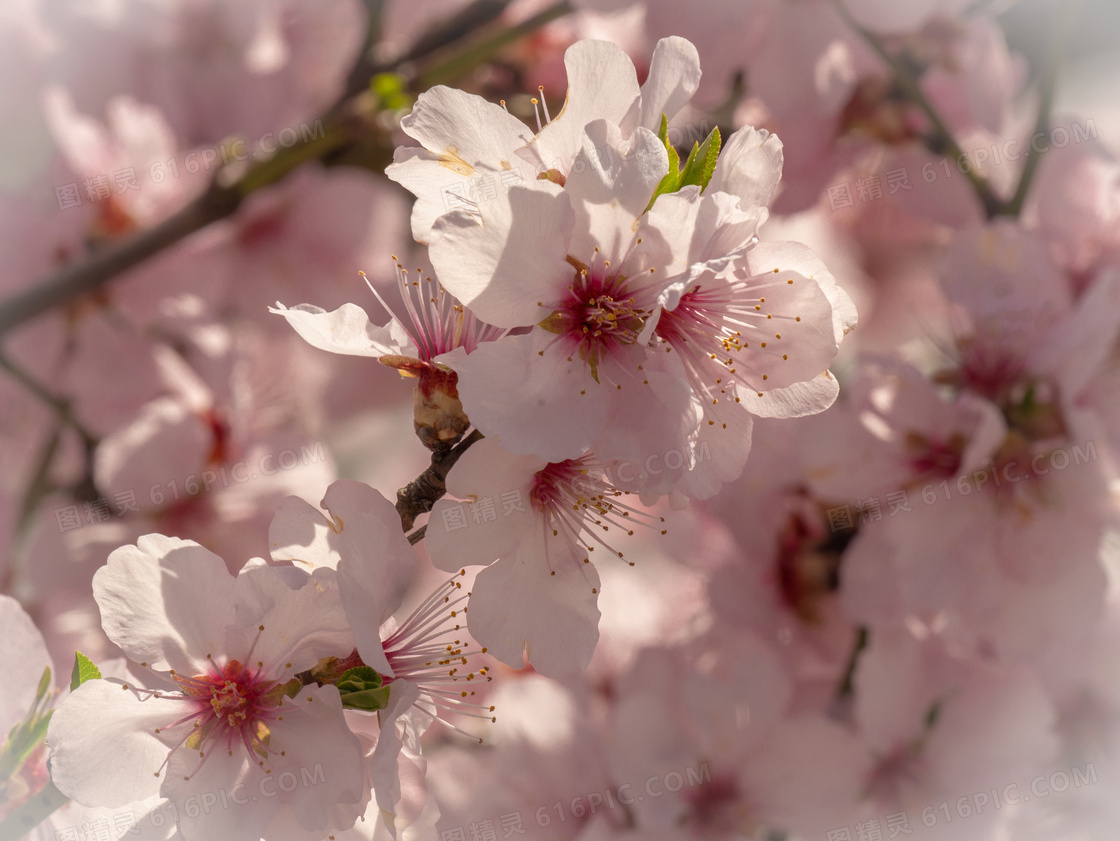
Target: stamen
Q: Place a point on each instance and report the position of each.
(231, 703)
(419, 652)
(577, 503)
(544, 104)
(436, 321)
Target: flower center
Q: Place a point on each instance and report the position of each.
(599, 315)
(717, 806)
(898, 774)
(231, 701)
(933, 458)
(577, 501)
(231, 704)
(808, 562)
(729, 337)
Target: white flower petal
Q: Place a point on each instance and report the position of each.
(464, 138)
(611, 183)
(301, 626)
(377, 565)
(384, 764)
(602, 85)
(674, 76)
(346, 330)
(22, 660)
(464, 129)
(493, 477)
(531, 402)
(749, 167)
(797, 400)
(519, 609)
(166, 602)
(104, 751)
(301, 534)
(507, 261)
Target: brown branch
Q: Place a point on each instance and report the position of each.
(913, 90)
(419, 495)
(230, 184)
(1061, 24)
(349, 127)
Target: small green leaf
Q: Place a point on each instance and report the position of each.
(391, 91)
(44, 684)
(369, 700)
(361, 677)
(84, 670)
(701, 163)
(697, 169)
(362, 688)
(28, 734)
(671, 182)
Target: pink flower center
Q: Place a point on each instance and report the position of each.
(808, 561)
(990, 371)
(898, 774)
(232, 704)
(717, 806)
(577, 502)
(933, 458)
(599, 317)
(726, 333)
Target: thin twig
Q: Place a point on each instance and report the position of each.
(462, 61)
(1056, 44)
(348, 125)
(230, 184)
(78, 279)
(913, 90)
(847, 685)
(58, 405)
(419, 495)
(32, 813)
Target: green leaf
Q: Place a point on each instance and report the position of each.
(671, 182)
(369, 700)
(701, 163)
(84, 670)
(362, 688)
(391, 91)
(28, 734)
(44, 684)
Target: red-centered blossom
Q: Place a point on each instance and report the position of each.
(536, 525)
(220, 709)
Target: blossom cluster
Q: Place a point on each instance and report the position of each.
(623, 420)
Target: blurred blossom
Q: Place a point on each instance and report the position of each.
(764, 361)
